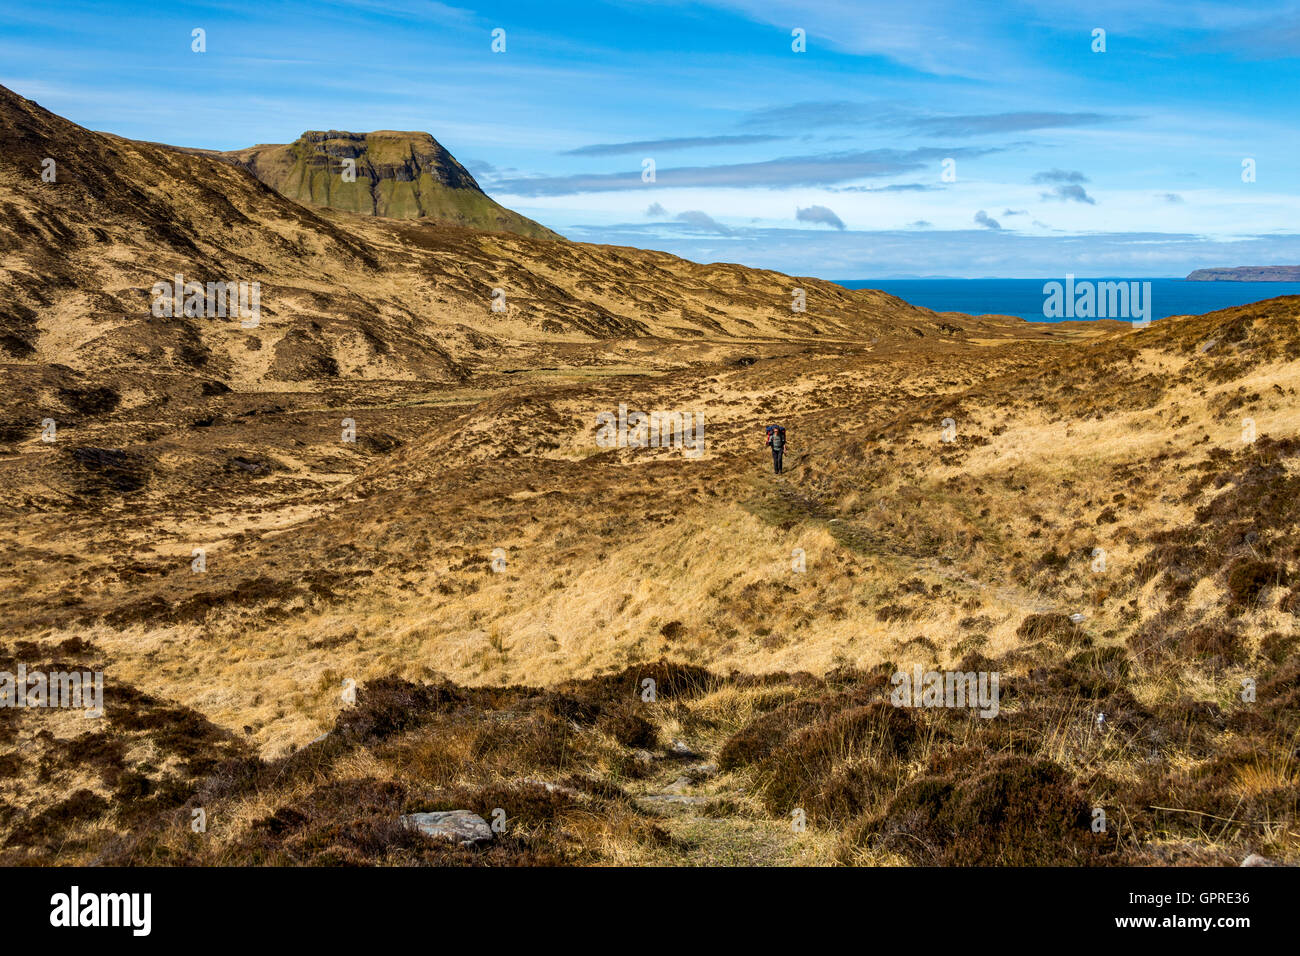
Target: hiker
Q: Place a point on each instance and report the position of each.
(776, 438)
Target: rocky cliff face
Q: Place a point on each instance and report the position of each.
(398, 175)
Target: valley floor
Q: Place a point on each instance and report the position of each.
(1076, 511)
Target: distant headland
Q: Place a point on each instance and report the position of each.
(1247, 274)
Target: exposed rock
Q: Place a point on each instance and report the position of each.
(457, 826)
(559, 788)
(680, 751)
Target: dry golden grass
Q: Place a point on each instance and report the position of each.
(882, 546)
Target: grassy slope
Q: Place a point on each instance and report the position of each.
(371, 561)
(969, 553)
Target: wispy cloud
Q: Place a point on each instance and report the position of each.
(827, 113)
(891, 188)
(815, 114)
(1274, 38)
(988, 222)
(1060, 176)
(816, 170)
(421, 10)
(942, 38)
(989, 123)
(668, 145)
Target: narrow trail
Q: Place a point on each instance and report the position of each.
(709, 815)
(859, 541)
(705, 814)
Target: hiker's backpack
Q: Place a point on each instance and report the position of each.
(777, 439)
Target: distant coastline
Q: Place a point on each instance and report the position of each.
(1247, 274)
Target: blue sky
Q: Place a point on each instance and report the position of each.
(828, 162)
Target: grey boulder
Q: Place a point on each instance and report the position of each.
(457, 826)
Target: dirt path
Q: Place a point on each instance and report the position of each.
(708, 817)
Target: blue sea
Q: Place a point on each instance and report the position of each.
(1025, 297)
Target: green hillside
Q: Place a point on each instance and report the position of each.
(399, 175)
